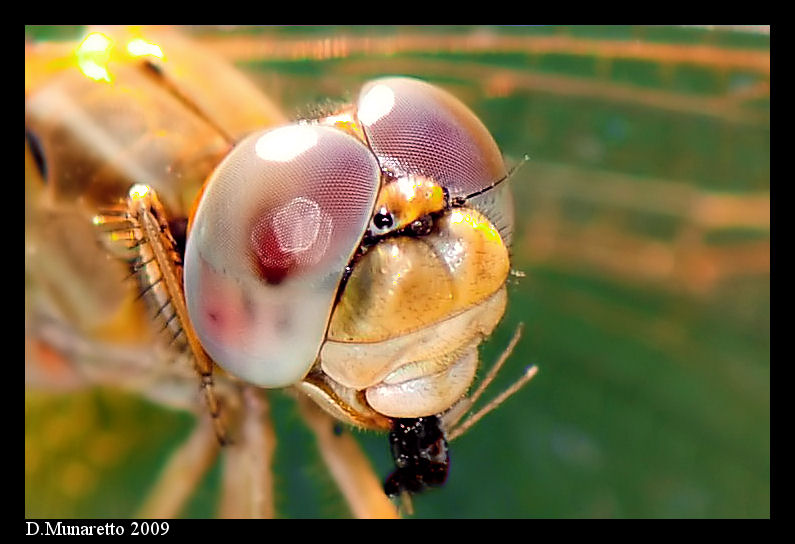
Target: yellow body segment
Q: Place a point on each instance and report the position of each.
(408, 198)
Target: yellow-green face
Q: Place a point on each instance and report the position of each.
(406, 328)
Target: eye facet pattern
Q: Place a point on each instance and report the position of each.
(290, 238)
(419, 129)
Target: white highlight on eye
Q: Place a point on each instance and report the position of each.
(296, 235)
(300, 226)
(285, 143)
(374, 105)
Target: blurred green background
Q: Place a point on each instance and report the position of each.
(643, 234)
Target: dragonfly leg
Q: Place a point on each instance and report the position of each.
(347, 464)
(140, 232)
(247, 488)
(182, 474)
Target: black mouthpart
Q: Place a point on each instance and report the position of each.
(419, 449)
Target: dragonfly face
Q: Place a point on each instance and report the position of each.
(360, 257)
(288, 275)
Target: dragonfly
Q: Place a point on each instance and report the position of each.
(123, 131)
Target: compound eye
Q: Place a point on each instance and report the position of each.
(320, 186)
(276, 226)
(418, 129)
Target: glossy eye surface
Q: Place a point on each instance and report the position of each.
(418, 129)
(278, 222)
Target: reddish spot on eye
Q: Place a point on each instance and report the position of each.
(221, 306)
(273, 263)
(290, 239)
(215, 317)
